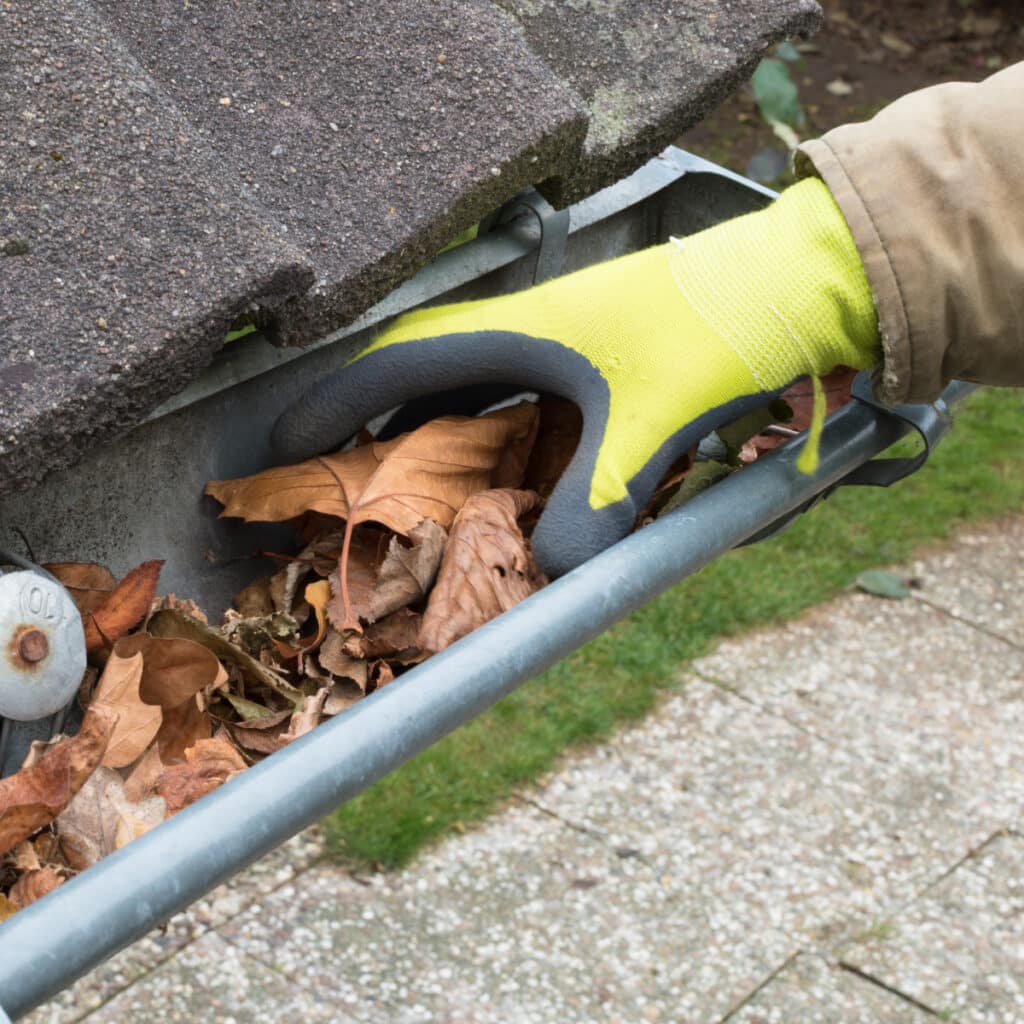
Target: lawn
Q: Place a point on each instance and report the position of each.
(976, 474)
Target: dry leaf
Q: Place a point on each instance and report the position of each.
(25, 857)
(395, 637)
(209, 764)
(183, 726)
(88, 584)
(175, 624)
(261, 735)
(34, 885)
(308, 718)
(426, 474)
(137, 722)
(486, 569)
(124, 608)
(143, 774)
(255, 599)
(178, 604)
(334, 660)
(342, 694)
(407, 573)
(174, 669)
(8, 908)
(102, 819)
(558, 434)
(366, 553)
(34, 796)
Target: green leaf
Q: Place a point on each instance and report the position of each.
(700, 478)
(776, 93)
(248, 709)
(787, 51)
(882, 583)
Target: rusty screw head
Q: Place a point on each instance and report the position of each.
(33, 645)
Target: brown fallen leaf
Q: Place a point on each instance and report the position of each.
(558, 434)
(407, 573)
(174, 669)
(25, 857)
(172, 623)
(366, 554)
(342, 694)
(423, 474)
(179, 604)
(34, 885)
(88, 584)
(117, 692)
(125, 607)
(209, 764)
(142, 775)
(255, 599)
(8, 908)
(32, 797)
(102, 819)
(182, 727)
(261, 735)
(394, 637)
(341, 665)
(487, 568)
(308, 718)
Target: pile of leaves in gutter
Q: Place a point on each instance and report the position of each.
(409, 544)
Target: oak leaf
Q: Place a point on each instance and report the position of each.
(117, 692)
(487, 568)
(209, 764)
(125, 607)
(33, 796)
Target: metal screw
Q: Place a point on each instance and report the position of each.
(33, 646)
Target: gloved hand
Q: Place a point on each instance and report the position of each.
(657, 348)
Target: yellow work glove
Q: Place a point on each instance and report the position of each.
(657, 348)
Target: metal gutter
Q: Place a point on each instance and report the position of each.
(54, 941)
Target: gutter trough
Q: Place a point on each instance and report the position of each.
(52, 942)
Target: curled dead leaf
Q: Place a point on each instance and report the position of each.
(174, 669)
(407, 572)
(209, 764)
(32, 797)
(124, 607)
(34, 885)
(117, 692)
(487, 568)
(88, 583)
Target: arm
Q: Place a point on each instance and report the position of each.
(933, 191)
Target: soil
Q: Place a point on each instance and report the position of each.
(880, 49)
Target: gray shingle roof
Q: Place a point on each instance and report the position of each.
(166, 165)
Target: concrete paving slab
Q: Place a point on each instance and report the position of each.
(211, 980)
(959, 949)
(523, 920)
(981, 579)
(138, 960)
(896, 682)
(813, 990)
(763, 817)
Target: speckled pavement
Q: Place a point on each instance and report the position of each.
(823, 823)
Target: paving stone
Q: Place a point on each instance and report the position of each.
(959, 948)
(104, 982)
(758, 814)
(981, 579)
(895, 682)
(523, 920)
(650, 69)
(211, 980)
(812, 990)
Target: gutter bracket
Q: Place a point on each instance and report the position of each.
(931, 421)
(554, 230)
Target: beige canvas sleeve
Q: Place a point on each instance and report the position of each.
(933, 191)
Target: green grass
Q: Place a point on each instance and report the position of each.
(977, 473)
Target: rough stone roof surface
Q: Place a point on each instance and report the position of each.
(167, 165)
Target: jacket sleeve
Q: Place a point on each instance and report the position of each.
(933, 191)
